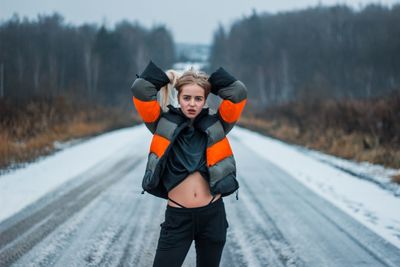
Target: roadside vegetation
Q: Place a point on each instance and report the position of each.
(361, 130)
(34, 127)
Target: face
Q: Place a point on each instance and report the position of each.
(192, 100)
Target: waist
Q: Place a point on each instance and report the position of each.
(215, 204)
(193, 191)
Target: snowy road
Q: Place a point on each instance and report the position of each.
(99, 218)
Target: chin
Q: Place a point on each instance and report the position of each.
(190, 116)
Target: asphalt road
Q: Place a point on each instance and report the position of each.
(101, 219)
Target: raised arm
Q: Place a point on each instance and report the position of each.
(144, 90)
(234, 95)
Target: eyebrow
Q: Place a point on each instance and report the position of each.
(195, 95)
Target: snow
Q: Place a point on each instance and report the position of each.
(373, 202)
(364, 170)
(21, 187)
(366, 201)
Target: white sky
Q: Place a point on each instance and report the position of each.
(189, 21)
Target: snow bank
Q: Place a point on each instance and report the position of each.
(373, 206)
(22, 187)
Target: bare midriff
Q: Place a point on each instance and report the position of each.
(192, 192)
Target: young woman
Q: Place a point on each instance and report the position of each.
(190, 162)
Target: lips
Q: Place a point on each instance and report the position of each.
(191, 111)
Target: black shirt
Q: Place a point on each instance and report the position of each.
(187, 155)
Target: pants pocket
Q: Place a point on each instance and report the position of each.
(226, 222)
(220, 226)
(225, 218)
(175, 231)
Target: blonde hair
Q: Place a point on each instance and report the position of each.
(178, 80)
(168, 92)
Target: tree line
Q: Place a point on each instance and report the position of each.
(48, 58)
(316, 53)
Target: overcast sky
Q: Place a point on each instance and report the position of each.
(189, 21)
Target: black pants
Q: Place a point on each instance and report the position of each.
(206, 225)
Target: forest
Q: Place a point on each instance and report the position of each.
(61, 82)
(323, 77)
(316, 53)
(334, 65)
(48, 58)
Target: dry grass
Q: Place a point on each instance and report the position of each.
(396, 178)
(350, 145)
(30, 131)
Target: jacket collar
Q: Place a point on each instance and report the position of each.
(179, 112)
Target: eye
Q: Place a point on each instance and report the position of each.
(199, 98)
(186, 97)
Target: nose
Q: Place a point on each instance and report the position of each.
(192, 102)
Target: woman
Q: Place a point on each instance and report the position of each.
(190, 162)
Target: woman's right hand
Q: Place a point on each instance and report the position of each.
(220, 79)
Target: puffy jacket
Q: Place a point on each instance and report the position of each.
(166, 126)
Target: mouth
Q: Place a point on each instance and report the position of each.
(191, 111)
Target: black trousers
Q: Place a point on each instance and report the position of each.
(206, 225)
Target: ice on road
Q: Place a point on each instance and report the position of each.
(292, 211)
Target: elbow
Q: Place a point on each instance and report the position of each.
(135, 88)
(240, 91)
(235, 92)
(143, 90)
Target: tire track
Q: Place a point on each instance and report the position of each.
(286, 254)
(340, 228)
(245, 245)
(322, 214)
(13, 244)
(261, 236)
(144, 230)
(102, 237)
(292, 203)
